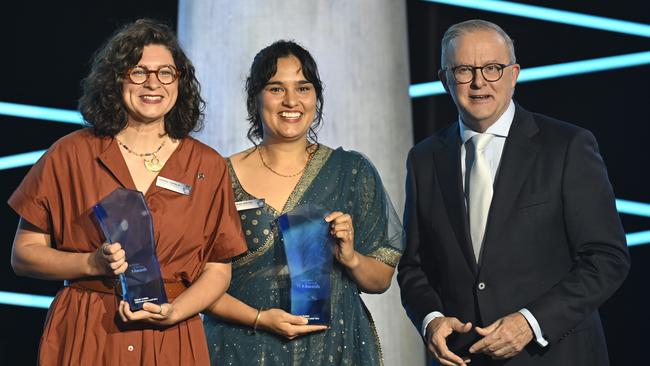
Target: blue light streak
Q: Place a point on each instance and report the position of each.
(552, 15)
(552, 71)
(634, 239)
(426, 89)
(20, 160)
(584, 66)
(633, 208)
(32, 301)
(43, 113)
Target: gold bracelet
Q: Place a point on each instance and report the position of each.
(257, 319)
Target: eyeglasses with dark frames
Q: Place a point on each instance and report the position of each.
(464, 74)
(166, 74)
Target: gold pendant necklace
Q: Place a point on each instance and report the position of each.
(154, 164)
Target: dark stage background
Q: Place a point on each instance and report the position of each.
(47, 47)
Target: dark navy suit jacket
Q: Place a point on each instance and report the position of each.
(553, 244)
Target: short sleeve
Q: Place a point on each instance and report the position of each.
(378, 230)
(38, 196)
(228, 239)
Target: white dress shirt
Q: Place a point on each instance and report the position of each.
(493, 153)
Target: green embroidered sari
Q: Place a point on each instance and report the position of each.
(338, 180)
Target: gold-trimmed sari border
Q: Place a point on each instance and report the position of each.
(316, 162)
(238, 190)
(389, 256)
(251, 255)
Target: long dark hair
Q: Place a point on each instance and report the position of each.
(101, 102)
(262, 70)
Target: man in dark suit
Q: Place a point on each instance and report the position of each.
(513, 239)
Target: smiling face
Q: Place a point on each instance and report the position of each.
(480, 103)
(288, 102)
(151, 101)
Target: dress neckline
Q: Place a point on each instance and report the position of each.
(314, 165)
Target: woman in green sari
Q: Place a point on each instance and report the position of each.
(251, 325)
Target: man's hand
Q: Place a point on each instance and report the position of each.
(437, 332)
(504, 338)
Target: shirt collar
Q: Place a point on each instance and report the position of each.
(175, 166)
(500, 128)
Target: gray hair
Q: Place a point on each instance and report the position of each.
(470, 26)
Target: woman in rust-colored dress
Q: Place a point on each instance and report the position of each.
(140, 101)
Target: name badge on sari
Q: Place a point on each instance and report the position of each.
(249, 204)
(173, 185)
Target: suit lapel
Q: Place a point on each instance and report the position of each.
(519, 154)
(447, 159)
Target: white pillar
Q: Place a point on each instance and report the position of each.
(362, 54)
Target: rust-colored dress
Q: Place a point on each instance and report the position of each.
(82, 326)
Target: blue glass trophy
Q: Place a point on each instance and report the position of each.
(124, 217)
(308, 246)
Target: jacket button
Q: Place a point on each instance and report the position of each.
(481, 286)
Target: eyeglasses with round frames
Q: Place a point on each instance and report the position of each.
(464, 74)
(166, 74)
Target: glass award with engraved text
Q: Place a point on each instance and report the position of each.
(124, 217)
(308, 247)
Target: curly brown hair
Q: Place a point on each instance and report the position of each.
(101, 103)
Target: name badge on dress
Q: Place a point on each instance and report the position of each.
(173, 185)
(247, 205)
